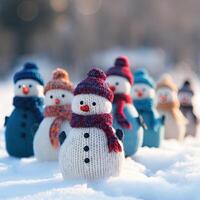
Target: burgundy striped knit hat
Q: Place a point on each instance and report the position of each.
(95, 84)
(121, 68)
(60, 80)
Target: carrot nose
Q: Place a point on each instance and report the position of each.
(113, 88)
(25, 90)
(57, 101)
(163, 98)
(85, 108)
(140, 94)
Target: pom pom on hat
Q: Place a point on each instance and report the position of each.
(142, 76)
(95, 84)
(167, 81)
(60, 80)
(29, 71)
(121, 68)
(186, 87)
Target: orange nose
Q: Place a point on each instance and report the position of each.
(57, 101)
(163, 98)
(25, 90)
(85, 108)
(113, 88)
(140, 94)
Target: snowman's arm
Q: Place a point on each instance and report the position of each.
(62, 137)
(6, 121)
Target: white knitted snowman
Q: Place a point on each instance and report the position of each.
(91, 151)
(58, 97)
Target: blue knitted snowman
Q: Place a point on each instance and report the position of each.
(143, 98)
(27, 114)
(126, 118)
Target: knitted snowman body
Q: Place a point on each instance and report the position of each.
(125, 115)
(185, 95)
(168, 105)
(27, 115)
(143, 99)
(58, 97)
(91, 150)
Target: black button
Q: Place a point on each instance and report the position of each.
(86, 135)
(86, 148)
(23, 135)
(25, 116)
(87, 160)
(23, 124)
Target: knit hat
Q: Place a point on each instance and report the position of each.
(142, 76)
(186, 88)
(166, 81)
(29, 71)
(121, 68)
(95, 84)
(60, 80)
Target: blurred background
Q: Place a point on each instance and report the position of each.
(160, 35)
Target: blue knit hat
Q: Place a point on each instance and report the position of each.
(142, 76)
(29, 71)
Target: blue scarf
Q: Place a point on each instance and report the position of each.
(33, 104)
(146, 106)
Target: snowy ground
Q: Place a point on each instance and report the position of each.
(169, 173)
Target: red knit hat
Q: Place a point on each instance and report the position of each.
(60, 80)
(95, 84)
(121, 68)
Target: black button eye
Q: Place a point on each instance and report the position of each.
(117, 83)
(86, 135)
(19, 86)
(30, 86)
(81, 102)
(87, 160)
(63, 96)
(94, 104)
(51, 97)
(86, 148)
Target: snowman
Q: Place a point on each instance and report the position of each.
(126, 118)
(169, 106)
(58, 97)
(27, 115)
(91, 150)
(186, 95)
(143, 99)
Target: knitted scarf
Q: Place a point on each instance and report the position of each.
(173, 108)
(61, 113)
(120, 100)
(146, 106)
(102, 121)
(32, 104)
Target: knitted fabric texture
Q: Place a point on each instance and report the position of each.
(166, 81)
(29, 71)
(121, 68)
(34, 104)
(104, 122)
(142, 76)
(95, 84)
(60, 80)
(61, 113)
(173, 108)
(186, 88)
(120, 100)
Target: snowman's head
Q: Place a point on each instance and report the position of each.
(166, 95)
(119, 84)
(143, 91)
(185, 98)
(58, 97)
(90, 104)
(28, 88)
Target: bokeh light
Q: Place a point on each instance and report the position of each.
(27, 10)
(88, 7)
(59, 5)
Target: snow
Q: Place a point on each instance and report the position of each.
(171, 172)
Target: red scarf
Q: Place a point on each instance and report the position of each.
(104, 122)
(120, 100)
(61, 113)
